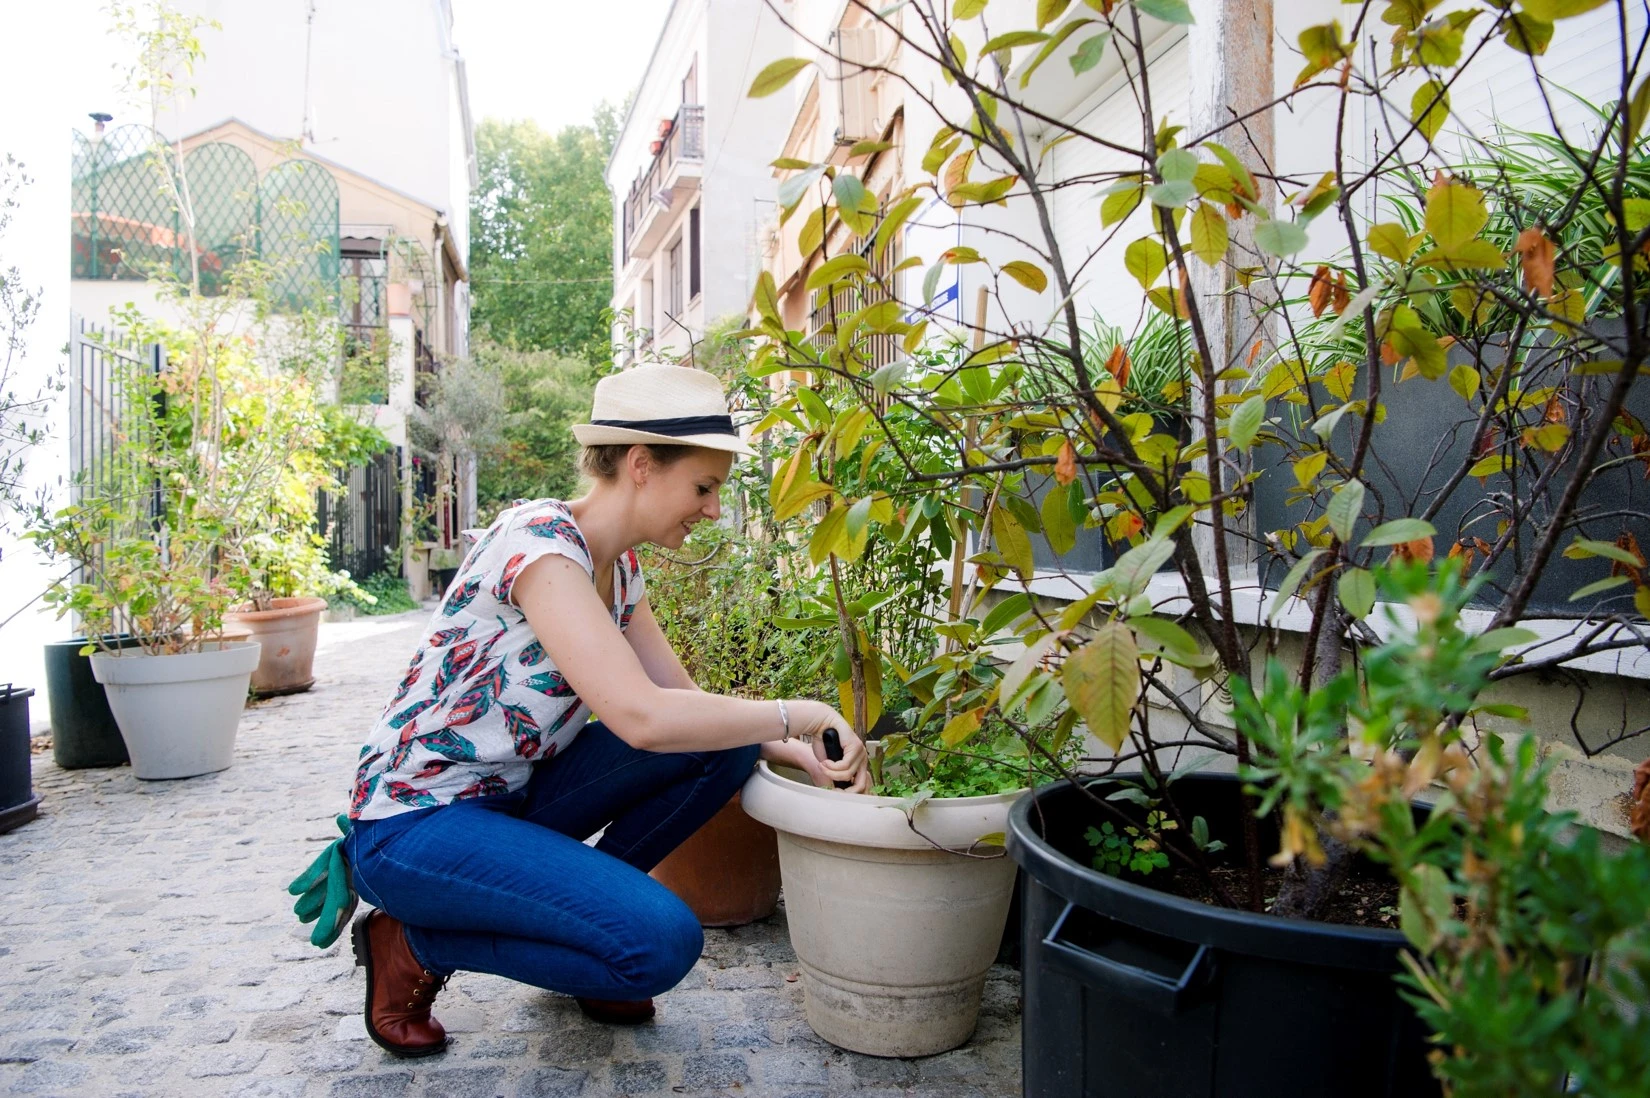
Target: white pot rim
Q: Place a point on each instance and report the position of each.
(135, 667)
(797, 807)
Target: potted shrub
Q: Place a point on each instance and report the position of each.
(21, 408)
(1539, 338)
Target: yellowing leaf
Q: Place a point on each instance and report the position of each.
(1455, 213)
(1026, 274)
(1429, 108)
(1102, 682)
(961, 728)
(776, 75)
(1011, 541)
(1145, 259)
(1209, 235)
(1391, 240)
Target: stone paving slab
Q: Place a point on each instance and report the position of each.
(147, 948)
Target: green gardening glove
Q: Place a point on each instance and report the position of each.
(325, 895)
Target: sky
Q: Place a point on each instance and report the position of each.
(553, 62)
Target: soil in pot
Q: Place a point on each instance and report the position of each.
(288, 631)
(84, 733)
(1134, 992)
(18, 803)
(727, 871)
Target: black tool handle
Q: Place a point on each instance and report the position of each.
(833, 751)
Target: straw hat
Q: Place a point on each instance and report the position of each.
(664, 405)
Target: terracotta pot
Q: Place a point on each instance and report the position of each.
(727, 871)
(287, 632)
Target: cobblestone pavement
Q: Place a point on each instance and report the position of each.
(147, 947)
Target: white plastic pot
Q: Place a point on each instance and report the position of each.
(893, 936)
(178, 714)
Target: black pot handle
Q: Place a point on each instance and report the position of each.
(1156, 992)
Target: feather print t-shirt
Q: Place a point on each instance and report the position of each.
(481, 702)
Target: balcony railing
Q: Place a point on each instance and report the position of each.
(684, 141)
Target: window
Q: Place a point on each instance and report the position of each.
(673, 280)
(365, 270)
(693, 253)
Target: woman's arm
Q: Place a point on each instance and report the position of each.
(658, 658)
(586, 646)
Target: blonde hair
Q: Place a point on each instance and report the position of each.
(603, 462)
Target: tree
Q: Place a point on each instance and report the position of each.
(541, 247)
(534, 455)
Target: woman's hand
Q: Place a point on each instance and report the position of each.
(813, 718)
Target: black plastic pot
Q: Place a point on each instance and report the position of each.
(84, 732)
(1134, 993)
(18, 804)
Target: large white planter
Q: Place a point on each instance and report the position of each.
(893, 936)
(178, 714)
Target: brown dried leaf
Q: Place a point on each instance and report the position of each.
(1554, 412)
(1535, 253)
(1340, 300)
(1640, 820)
(1118, 366)
(1065, 466)
(1254, 353)
(1319, 292)
(1629, 543)
(1420, 550)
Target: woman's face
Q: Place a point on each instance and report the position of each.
(676, 496)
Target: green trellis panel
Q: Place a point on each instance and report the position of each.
(124, 222)
(223, 192)
(298, 232)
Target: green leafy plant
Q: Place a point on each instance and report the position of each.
(1531, 948)
(380, 593)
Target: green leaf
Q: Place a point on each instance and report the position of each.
(1088, 55)
(1637, 107)
(1177, 166)
(1391, 240)
(1005, 612)
(1135, 568)
(1292, 582)
(849, 191)
(1120, 203)
(1173, 195)
(888, 231)
(1464, 380)
(1209, 236)
(1169, 11)
(1606, 584)
(776, 75)
(967, 9)
(1583, 548)
(812, 233)
(1169, 636)
(835, 269)
(1012, 542)
(1020, 670)
(1050, 10)
(1499, 640)
(1425, 906)
(792, 189)
(1058, 526)
(1066, 30)
(1344, 508)
(1526, 35)
(1145, 259)
(859, 517)
(1399, 531)
(886, 377)
(1101, 680)
(818, 411)
(1280, 238)
(1357, 591)
(1551, 11)
(1429, 108)
(1026, 274)
(1246, 421)
(1013, 39)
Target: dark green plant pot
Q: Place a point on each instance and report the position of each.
(84, 733)
(18, 803)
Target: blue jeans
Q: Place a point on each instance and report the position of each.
(506, 885)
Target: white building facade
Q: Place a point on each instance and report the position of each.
(690, 177)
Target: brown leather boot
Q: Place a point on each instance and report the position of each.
(400, 991)
(617, 1012)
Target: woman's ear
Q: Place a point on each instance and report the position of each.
(638, 464)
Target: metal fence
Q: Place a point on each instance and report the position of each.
(362, 524)
(102, 421)
(128, 219)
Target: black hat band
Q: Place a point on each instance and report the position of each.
(679, 427)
